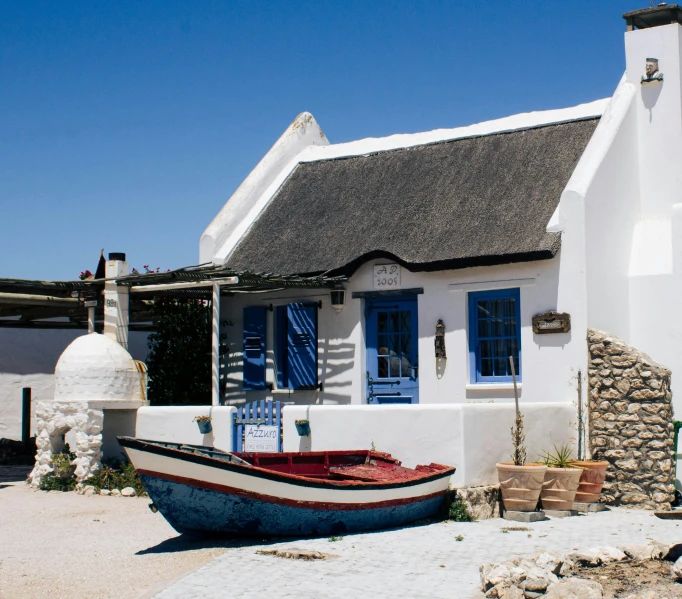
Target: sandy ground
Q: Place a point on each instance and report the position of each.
(66, 546)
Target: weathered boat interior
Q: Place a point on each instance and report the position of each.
(355, 465)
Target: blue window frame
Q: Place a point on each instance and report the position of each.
(494, 335)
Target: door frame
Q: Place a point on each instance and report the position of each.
(389, 300)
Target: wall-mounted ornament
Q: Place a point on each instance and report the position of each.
(439, 340)
(651, 71)
(551, 322)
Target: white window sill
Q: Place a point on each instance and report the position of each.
(291, 391)
(493, 386)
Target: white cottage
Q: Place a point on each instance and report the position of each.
(480, 229)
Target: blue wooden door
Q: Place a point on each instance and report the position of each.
(392, 358)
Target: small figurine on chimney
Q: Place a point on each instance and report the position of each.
(652, 72)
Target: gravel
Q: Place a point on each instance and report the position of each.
(57, 545)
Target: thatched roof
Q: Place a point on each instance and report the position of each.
(454, 204)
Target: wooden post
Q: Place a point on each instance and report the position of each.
(581, 425)
(516, 390)
(215, 346)
(25, 414)
(91, 320)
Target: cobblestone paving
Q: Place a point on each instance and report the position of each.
(409, 563)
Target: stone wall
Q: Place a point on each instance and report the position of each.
(630, 423)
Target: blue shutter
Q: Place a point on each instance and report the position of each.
(302, 346)
(254, 348)
(281, 319)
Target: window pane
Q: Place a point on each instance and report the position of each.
(383, 321)
(383, 344)
(406, 344)
(382, 370)
(496, 308)
(483, 309)
(510, 307)
(501, 367)
(395, 366)
(486, 367)
(501, 348)
(405, 320)
(486, 348)
(516, 365)
(405, 366)
(484, 328)
(497, 330)
(510, 327)
(393, 344)
(394, 321)
(513, 347)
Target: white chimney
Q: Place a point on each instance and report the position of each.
(656, 33)
(116, 300)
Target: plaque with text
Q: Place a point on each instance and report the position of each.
(551, 322)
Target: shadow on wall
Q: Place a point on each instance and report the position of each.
(334, 360)
(650, 95)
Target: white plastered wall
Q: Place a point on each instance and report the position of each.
(655, 284)
(175, 424)
(27, 359)
(549, 362)
(471, 437)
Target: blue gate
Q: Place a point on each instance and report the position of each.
(266, 412)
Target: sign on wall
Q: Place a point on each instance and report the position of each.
(386, 276)
(551, 322)
(260, 437)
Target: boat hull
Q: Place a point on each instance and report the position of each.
(194, 510)
(201, 498)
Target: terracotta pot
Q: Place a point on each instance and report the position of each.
(559, 488)
(591, 481)
(520, 485)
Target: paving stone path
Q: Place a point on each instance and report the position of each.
(409, 563)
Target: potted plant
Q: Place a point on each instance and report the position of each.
(592, 477)
(562, 478)
(303, 427)
(204, 424)
(520, 483)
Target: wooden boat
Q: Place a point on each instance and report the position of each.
(201, 490)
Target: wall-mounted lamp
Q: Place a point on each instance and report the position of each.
(337, 299)
(439, 340)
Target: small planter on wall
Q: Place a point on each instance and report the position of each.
(204, 424)
(520, 485)
(591, 480)
(303, 428)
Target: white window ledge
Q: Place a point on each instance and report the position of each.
(292, 391)
(493, 386)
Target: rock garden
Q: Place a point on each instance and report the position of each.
(640, 571)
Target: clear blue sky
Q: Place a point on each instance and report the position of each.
(127, 125)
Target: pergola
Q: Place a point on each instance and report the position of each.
(79, 304)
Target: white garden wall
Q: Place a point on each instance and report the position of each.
(27, 359)
(175, 424)
(471, 437)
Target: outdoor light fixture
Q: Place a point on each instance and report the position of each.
(439, 340)
(338, 299)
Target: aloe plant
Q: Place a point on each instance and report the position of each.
(559, 458)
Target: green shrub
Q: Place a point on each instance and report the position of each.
(62, 477)
(117, 475)
(458, 512)
(50, 482)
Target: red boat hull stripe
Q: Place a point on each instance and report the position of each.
(314, 505)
